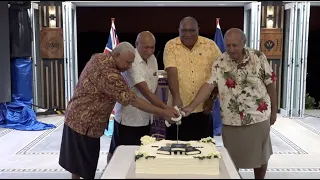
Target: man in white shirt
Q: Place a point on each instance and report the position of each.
(131, 123)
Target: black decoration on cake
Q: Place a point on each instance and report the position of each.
(178, 149)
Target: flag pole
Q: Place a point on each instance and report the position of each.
(217, 21)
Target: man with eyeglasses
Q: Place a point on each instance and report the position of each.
(188, 60)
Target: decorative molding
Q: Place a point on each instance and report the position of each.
(271, 43)
(286, 170)
(39, 170)
(25, 149)
(298, 149)
(51, 43)
(5, 132)
(308, 127)
(55, 153)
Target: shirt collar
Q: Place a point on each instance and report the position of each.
(112, 62)
(103, 58)
(246, 56)
(139, 59)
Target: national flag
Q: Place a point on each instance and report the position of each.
(113, 40)
(216, 114)
(218, 37)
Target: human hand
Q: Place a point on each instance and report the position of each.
(208, 106)
(186, 111)
(170, 112)
(169, 121)
(273, 118)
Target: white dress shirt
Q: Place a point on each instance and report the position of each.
(139, 72)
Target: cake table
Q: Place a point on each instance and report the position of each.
(122, 166)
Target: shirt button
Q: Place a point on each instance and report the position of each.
(192, 92)
(192, 71)
(193, 81)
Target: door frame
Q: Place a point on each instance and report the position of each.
(289, 58)
(161, 3)
(296, 59)
(305, 6)
(254, 9)
(71, 65)
(35, 46)
(65, 15)
(70, 48)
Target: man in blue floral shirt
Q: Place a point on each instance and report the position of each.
(248, 102)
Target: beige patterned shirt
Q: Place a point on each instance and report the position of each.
(99, 87)
(242, 87)
(194, 66)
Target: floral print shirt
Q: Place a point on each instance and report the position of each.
(243, 88)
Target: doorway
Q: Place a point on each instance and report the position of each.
(312, 100)
(93, 35)
(72, 23)
(294, 66)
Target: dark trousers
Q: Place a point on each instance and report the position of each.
(193, 127)
(127, 135)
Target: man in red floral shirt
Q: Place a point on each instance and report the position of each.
(248, 102)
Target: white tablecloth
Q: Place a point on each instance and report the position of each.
(122, 166)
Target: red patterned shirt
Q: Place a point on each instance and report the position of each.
(99, 87)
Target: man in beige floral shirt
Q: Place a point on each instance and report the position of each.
(248, 102)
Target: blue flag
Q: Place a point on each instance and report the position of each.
(216, 114)
(218, 38)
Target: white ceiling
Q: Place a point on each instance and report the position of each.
(312, 3)
(315, 3)
(169, 3)
(161, 3)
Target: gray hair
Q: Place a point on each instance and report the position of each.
(190, 19)
(236, 30)
(123, 47)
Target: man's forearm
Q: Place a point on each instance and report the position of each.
(173, 81)
(202, 95)
(271, 89)
(153, 99)
(147, 107)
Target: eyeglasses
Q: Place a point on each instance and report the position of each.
(191, 31)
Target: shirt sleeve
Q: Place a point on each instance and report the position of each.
(269, 76)
(169, 58)
(214, 72)
(133, 75)
(215, 50)
(113, 84)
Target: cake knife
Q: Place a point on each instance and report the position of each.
(177, 133)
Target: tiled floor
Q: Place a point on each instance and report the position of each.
(27, 155)
(313, 112)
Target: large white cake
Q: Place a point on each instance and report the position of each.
(186, 157)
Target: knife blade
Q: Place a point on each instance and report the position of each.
(177, 133)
